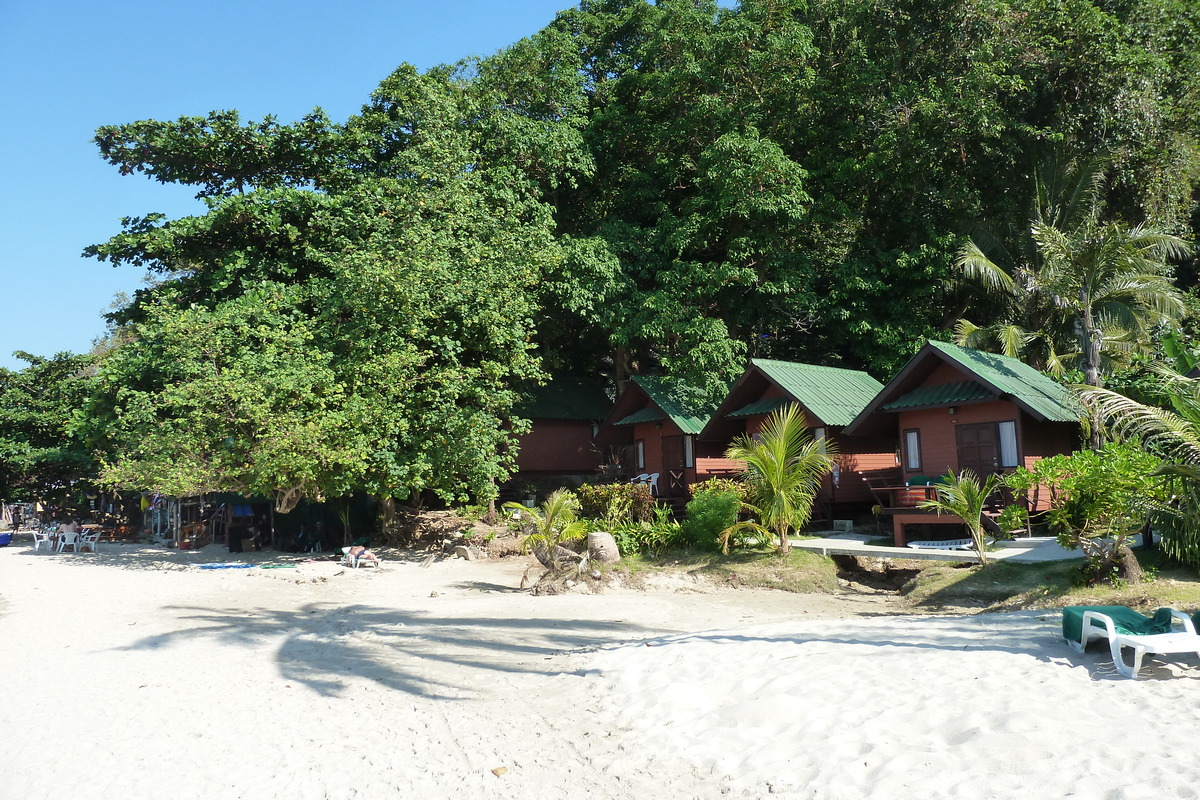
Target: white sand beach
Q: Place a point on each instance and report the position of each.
(136, 674)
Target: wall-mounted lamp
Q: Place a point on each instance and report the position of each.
(953, 410)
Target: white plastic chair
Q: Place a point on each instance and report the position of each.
(652, 482)
(1176, 642)
(68, 539)
(643, 478)
(90, 539)
(43, 538)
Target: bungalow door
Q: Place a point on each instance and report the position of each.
(978, 448)
(673, 465)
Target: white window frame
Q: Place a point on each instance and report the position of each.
(639, 453)
(912, 449)
(819, 437)
(689, 451)
(1006, 439)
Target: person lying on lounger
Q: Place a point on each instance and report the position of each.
(363, 554)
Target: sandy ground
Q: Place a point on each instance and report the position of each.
(137, 674)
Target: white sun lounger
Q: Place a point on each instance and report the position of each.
(1185, 641)
(946, 544)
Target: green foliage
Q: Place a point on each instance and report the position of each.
(871, 135)
(1173, 435)
(616, 502)
(965, 496)
(40, 457)
(734, 485)
(710, 511)
(784, 468)
(638, 185)
(549, 525)
(648, 538)
(351, 313)
(1099, 499)
(1013, 519)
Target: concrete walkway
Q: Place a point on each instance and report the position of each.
(1026, 550)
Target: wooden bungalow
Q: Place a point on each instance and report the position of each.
(951, 408)
(565, 416)
(830, 399)
(656, 424)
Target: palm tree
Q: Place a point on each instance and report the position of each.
(1112, 284)
(549, 525)
(1173, 435)
(964, 496)
(784, 468)
(1079, 291)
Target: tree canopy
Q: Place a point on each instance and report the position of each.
(40, 457)
(637, 188)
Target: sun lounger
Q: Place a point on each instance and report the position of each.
(356, 560)
(946, 544)
(1124, 627)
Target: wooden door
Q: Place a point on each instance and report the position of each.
(979, 448)
(673, 477)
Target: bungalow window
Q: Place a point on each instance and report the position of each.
(639, 449)
(912, 450)
(689, 451)
(819, 438)
(1008, 444)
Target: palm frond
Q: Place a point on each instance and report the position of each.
(1175, 436)
(975, 266)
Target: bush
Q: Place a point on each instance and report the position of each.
(649, 538)
(709, 512)
(721, 485)
(616, 502)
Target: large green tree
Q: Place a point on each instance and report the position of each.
(793, 179)
(1085, 293)
(666, 186)
(40, 457)
(356, 320)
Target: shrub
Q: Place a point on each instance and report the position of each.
(710, 511)
(721, 485)
(1097, 501)
(616, 502)
(549, 525)
(649, 538)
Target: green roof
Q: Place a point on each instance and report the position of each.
(833, 395)
(760, 407)
(946, 394)
(1008, 376)
(645, 415)
(566, 398)
(677, 401)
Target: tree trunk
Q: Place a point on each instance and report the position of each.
(1129, 569)
(1090, 339)
(980, 545)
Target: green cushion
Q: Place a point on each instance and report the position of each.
(1125, 620)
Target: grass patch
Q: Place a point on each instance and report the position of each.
(1005, 586)
(799, 571)
(937, 585)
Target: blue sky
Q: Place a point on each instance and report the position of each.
(69, 67)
